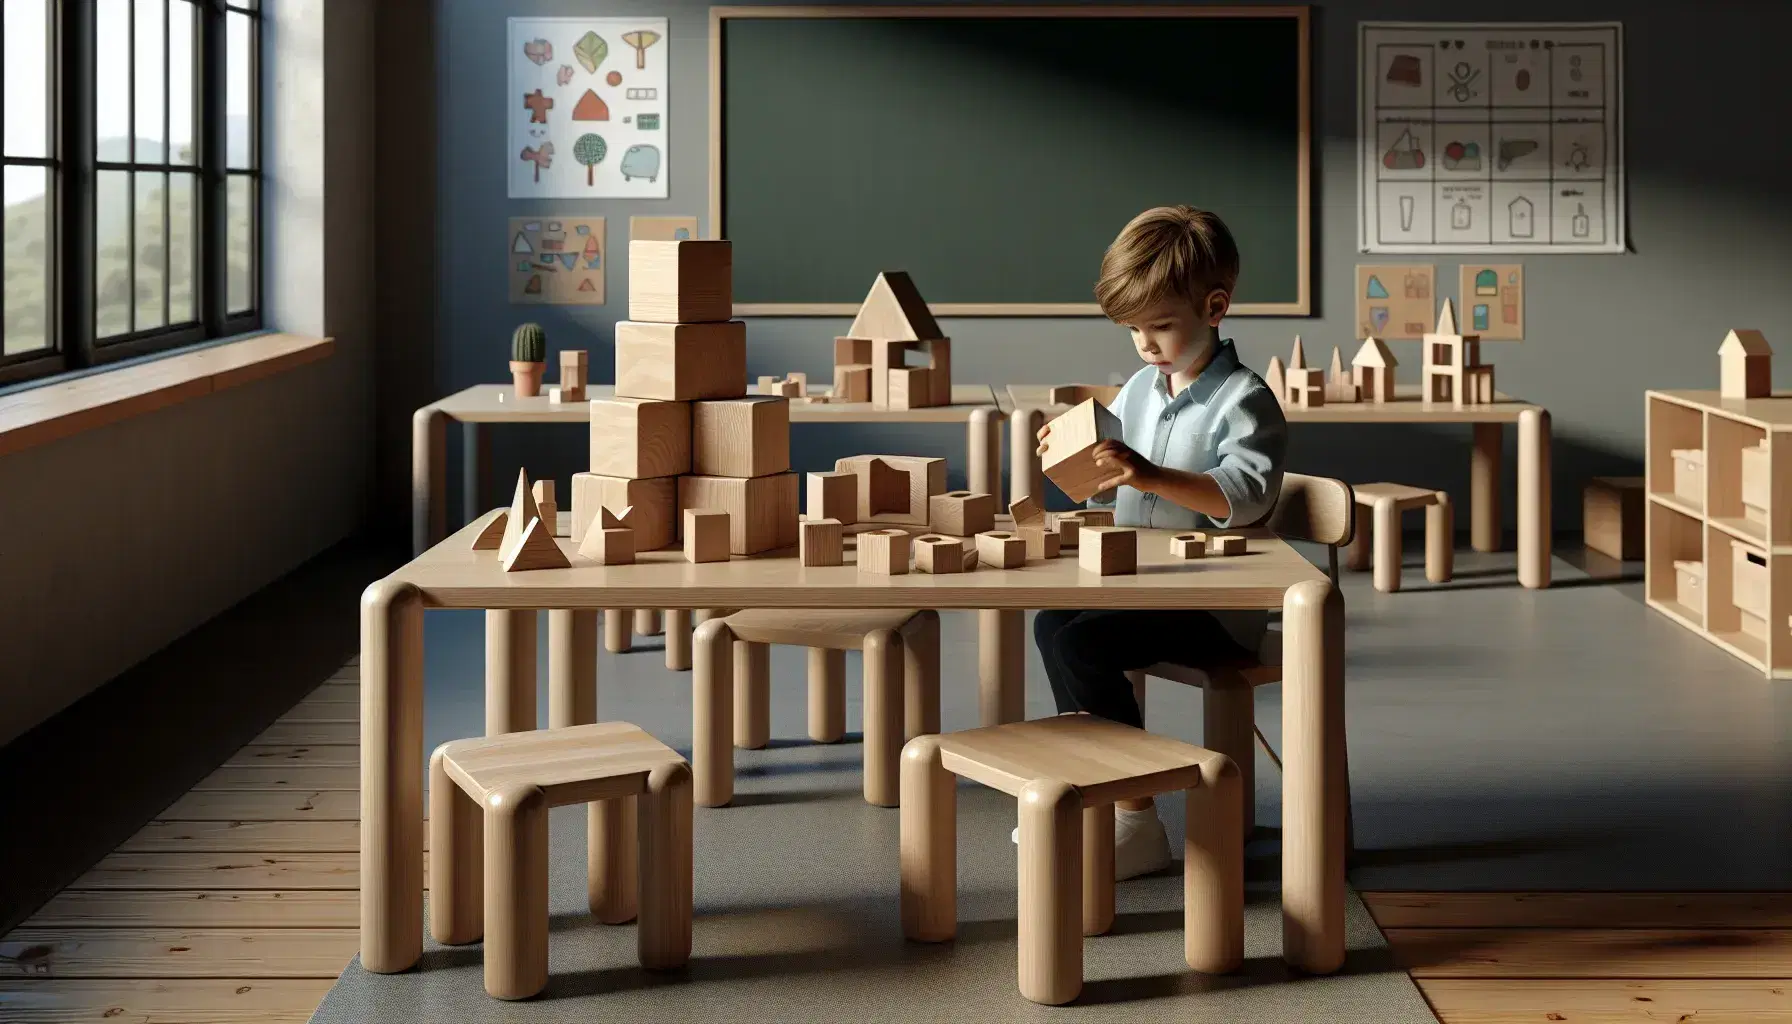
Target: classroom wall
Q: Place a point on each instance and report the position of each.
(1704, 105)
(122, 539)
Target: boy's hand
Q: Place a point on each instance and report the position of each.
(1123, 466)
(1042, 432)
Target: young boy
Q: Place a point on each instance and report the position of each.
(1203, 446)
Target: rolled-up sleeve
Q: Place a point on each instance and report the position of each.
(1252, 445)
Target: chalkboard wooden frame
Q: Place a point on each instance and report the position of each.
(1299, 14)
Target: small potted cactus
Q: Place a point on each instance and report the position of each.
(528, 358)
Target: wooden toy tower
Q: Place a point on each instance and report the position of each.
(1452, 370)
(870, 360)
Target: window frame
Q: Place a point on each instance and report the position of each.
(74, 175)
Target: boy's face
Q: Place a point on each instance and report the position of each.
(1173, 334)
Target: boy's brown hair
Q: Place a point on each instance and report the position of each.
(1165, 252)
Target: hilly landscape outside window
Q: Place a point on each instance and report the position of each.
(132, 178)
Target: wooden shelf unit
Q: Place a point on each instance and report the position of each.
(1718, 554)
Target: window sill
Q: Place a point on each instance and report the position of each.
(54, 411)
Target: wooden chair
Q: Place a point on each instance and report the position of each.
(905, 642)
(1387, 502)
(1315, 509)
(1067, 771)
(488, 816)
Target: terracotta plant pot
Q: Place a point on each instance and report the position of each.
(527, 378)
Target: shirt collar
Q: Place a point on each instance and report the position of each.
(1215, 373)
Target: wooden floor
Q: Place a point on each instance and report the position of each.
(239, 904)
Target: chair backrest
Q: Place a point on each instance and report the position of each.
(1316, 509)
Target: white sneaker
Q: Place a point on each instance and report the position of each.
(1141, 845)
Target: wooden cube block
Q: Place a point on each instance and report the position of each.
(939, 370)
(681, 362)
(768, 385)
(1068, 460)
(887, 355)
(654, 503)
(821, 542)
(1001, 549)
(884, 552)
(740, 437)
(910, 388)
(852, 383)
(550, 516)
(609, 546)
(1041, 541)
(938, 554)
(680, 282)
(1066, 524)
(852, 350)
(574, 373)
(1026, 512)
(1095, 516)
(895, 488)
(639, 438)
(833, 496)
(761, 510)
(1189, 545)
(706, 535)
(1108, 550)
(970, 554)
(1612, 516)
(1226, 544)
(961, 513)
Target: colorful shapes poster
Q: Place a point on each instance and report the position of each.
(1491, 301)
(661, 229)
(557, 260)
(1397, 301)
(588, 111)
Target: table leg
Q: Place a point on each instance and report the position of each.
(647, 621)
(1025, 474)
(617, 638)
(1534, 540)
(1484, 487)
(678, 639)
(1001, 666)
(429, 467)
(509, 671)
(572, 668)
(1313, 790)
(883, 715)
(983, 462)
(475, 469)
(391, 777)
(712, 713)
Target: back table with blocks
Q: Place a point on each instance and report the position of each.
(871, 362)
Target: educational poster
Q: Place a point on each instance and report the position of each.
(1491, 302)
(587, 102)
(1397, 301)
(557, 260)
(1486, 138)
(661, 229)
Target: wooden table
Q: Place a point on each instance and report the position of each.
(1028, 406)
(452, 575)
(972, 404)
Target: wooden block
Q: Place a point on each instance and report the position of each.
(1068, 460)
(894, 309)
(821, 542)
(939, 370)
(1310, 397)
(851, 351)
(833, 496)
(1189, 545)
(961, 513)
(639, 438)
(910, 387)
(1109, 550)
(1075, 394)
(1041, 541)
(1096, 516)
(1026, 512)
(801, 380)
(1065, 524)
(884, 552)
(1226, 544)
(680, 282)
(852, 383)
(769, 385)
(574, 374)
(1001, 549)
(523, 511)
(970, 554)
(740, 437)
(535, 549)
(609, 546)
(790, 389)
(706, 535)
(681, 362)
(761, 510)
(886, 355)
(895, 488)
(1612, 516)
(939, 554)
(557, 396)
(550, 516)
(492, 537)
(617, 520)
(654, 505)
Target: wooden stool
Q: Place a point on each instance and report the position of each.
(1067, 772)
(905, 642)
(489, 800)
(1388, 501)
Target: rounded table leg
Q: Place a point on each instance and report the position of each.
(678, 639)
(616, 630)
(921, 675)
(1001, 666)
(712, 713)
(647, 621)
(572, 668)
(509, 671)
(752, 695)
(827, 695)
(1534, 543)
(1051, 906)
(929, 843)
(883, 700)
(391, 785)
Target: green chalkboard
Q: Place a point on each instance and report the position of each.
(993, 153)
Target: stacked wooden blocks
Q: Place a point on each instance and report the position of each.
(871, 360)
(1452, 370)
(524, 535)
(1370, 377)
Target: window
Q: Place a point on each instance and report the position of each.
(132, 178)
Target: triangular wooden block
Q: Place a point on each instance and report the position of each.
(1276, 379)
(894, 311)
(1298, 359)
(615, 520)
(492, 537)
(609, 546)
(535, 550)
(1026, 512)
(1374, 353)
(523, 511)
(1337, 369)
(1446, 320)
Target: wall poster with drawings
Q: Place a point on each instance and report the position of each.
(1490, 138)
(587, 108)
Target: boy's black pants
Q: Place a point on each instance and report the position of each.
(1087, 654)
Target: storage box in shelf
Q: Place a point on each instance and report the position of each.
(1756, 483)
(1748, 587)
(1689, 476)
(1689, 585)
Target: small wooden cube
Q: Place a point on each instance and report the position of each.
(1042, 541)
(1001, 549)
(790, 389)
(681, 282)
(939, 370)
(1066, 525)
(1096, 516)
(1026, 512)
(768, 385)
(961, 513)
(820, 542)
(833, 496)
(609, 546)
(884, 552)
(938, 554)
(1226, 544)
(639, 438)
(705, 535)
(740, 437)
(573, 375)
(1108, 550)
(852, 383)
(1189, 545)
(886, 355)
(681, 362)
(1069, 461)
(762, 510)
(1612, 516)
(910, 387)
(848, 351)
(654, 504)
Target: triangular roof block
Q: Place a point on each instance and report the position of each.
(492, 537)
(1275, 377)
(1374, 353)
(1446, 320)
(1337, 367)
(1747, 341)
(895, 311)
(522, 510)
(1298, 359)
(535, 550)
